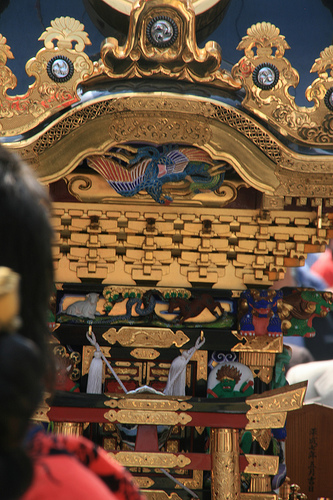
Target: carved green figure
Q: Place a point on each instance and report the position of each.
(230, 380)
(298, 310)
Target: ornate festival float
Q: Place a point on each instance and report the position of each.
(182, 193)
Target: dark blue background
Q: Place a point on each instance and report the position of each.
(306, 24)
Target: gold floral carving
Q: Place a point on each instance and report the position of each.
(141, 417)
(264, 44)
(143, 482)
(269, 410)
(131, 113)
(160, 495)
(286, 398)
(195, 482)
(258, 344)
(266, 420)
(225, 464)
(261, 364)
(45, 96)
(250, 129)
(151, 460)
(258, 496)
(182, 60)
(259, 354)
(148, 403)
(201, 357)
(141, 353)
(262, 436)
(262, 464)
(169, 129)
(145, 337)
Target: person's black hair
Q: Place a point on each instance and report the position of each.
(25, 248)
(21, 386)
(26, 235)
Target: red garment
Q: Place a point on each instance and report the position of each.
(70, 468)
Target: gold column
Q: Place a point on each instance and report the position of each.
(260, 484)
(225, 464)
(68, 428)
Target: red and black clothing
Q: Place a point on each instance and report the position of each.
(67, 467)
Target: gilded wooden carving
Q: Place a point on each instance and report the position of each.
(262, 464)
(151, 460)
(161, 41)
(145, 337)
(310, 125)
(142, 417)
(57, 71)
(149, 403)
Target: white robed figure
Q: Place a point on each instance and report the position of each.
(177, 374)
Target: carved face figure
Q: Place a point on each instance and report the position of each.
(228, 384)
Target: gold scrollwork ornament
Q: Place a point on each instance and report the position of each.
(57, 71)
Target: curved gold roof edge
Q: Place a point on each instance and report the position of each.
(160, 118)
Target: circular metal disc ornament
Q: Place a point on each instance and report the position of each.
(265, 76)
(328, 99)
(162, 31)
(60, 69)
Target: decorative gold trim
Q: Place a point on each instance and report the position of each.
(225, 464)
(44, 97)
(141, 353)
(258, 496)
(269, 410)
(151, 460)
(259, 354)
(201, 357)
(147, 417)
(261, 364)
(160, 495)
(277, 106)
(195, 482)
(262, 436)
(261, 484)
(262, 344)
(262, 464)
(149, 403)
(266, 420)
(145, 337)
(182, 60)
(143, 482)
(286, 398)
(261, 160)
